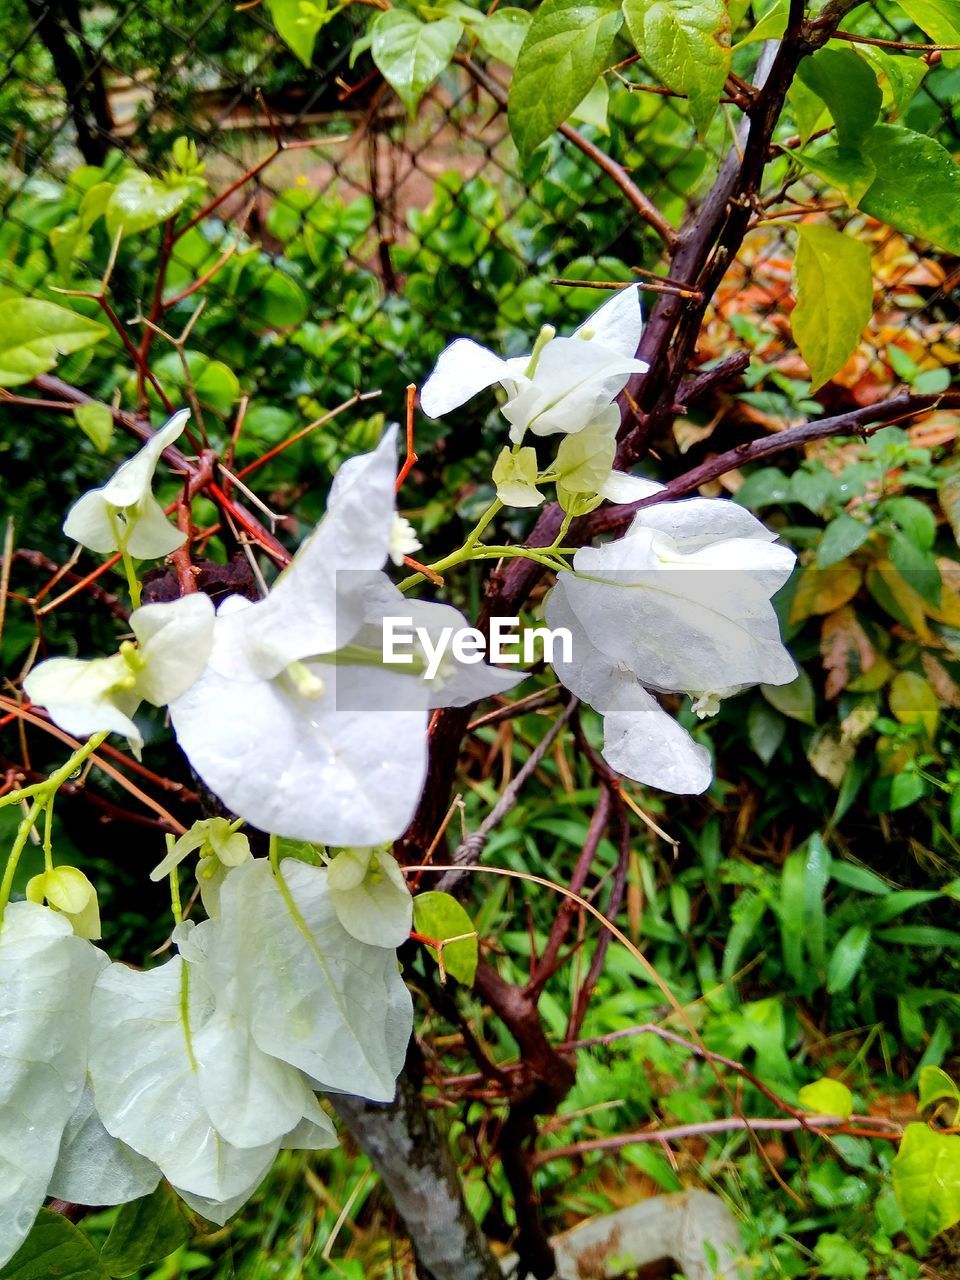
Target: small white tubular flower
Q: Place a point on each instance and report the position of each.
(403, 539)
(94, 1168)
(370, 896)
(46, 976)
(85, 696)
(561, 387)
(123, 515)
(316, 997)
(681, 603)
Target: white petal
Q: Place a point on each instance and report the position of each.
(575, 381)
(151, 535)
(316, 604)
(46, 975)
(133, 479)
(319, 999)
(641, 741)
(618, 324)
(463, 369)
(311, 1135)
(175, 638)
(82, 696)
(147, 1089)
(697, 522)
(95, 1168)
(305, 768)
(88, 522)
(375, 907)
(621, 487)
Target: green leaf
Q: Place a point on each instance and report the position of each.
(566, 48)
(808, 109)
(900, 77)
(95, 420)
(145, 1231)
(139, 202)
(770, 27)
(748, 911)
(917, 187)
(834, 285)
(502, 34)
(54, 1248)
(841, 538)
(851, 173)
(686, 44)
(298, 23)
(795, 699)
(847, 958)
(827, 1097)
(926, 1180)
(766, 730)
(940, 19)
(411, 54)
(915, 519)
(515, 477)
(595, 107)
(439, 916)
(33, 333)
(837, 1257)
(948, 491)
(936, 1086)
(848, 85)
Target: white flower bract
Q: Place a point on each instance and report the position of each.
(571, 382)
(123, 515)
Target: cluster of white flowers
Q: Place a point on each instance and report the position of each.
(682, 602)
(202, 1069)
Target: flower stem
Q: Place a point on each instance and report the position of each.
(176, 905)
(133, 582)
(56, 780)
(19, 843)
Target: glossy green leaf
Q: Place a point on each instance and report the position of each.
(686, 44)
(568, 45)
(139, 202)
(34, 333)
(834, 285)
(411, 54)
(847, 958)
(842, 536)
(940, 19)
(766, 730)
(926, 1180)
(915, 519)
(95, 420)
(900, 77)
(826, 1097)
(595, 107)
(502, 34)
(440, 916)
(849, 171)
(848, 86)
(917, 185)
(54, 1248)
(298, 22)
(837, 1257)
(935, 1087)
(145, 1231)
(795, 699)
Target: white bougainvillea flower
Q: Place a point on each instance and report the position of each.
(124, 515)
(316, 997)
(46, 976)
(85, 696)
(370, 896)
(95, 1168)
(681, 603)
(297, 724)
(561, 387)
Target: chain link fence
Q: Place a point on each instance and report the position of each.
(390, 220)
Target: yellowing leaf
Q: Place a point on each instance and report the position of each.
(845, 649)
(686, 44)
(912, 701)
(936, 1086)
(441, 917)
(33, 333)
(824, 590)
(834, 286)
(827, 1097)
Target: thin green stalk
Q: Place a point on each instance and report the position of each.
(59, 777)
(19, 844)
